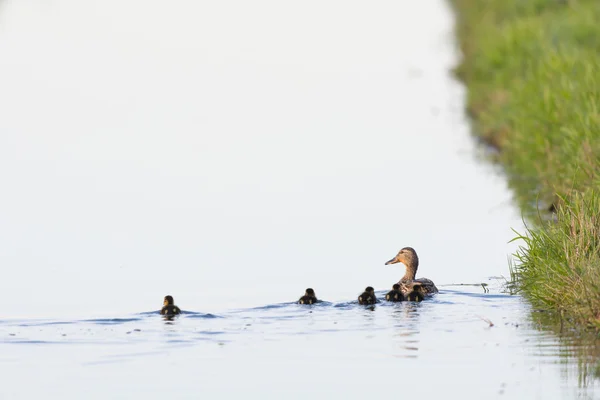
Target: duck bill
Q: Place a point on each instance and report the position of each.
(392, 261)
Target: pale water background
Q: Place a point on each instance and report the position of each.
(232, 154)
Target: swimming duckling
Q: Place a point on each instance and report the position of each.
(416, 294)
(309, 297)
(169, 308)
(368, 296)
(395, 294)
(408, 257)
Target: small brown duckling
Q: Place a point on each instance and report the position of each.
(415, 294)
(169, 307)
(309, 297)
(368, 296)
(395, 294)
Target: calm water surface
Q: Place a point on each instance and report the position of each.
(232, 154)
(443, 346)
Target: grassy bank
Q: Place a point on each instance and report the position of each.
(532, 68)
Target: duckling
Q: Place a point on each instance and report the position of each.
(395, 294)
(368, 296)
(408, 257)
(169, 308)
(309, 297)
(416, 294)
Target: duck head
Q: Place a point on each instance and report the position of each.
(408, 257)
(168, 301)
(310, 292)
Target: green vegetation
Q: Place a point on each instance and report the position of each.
(532, 68)
(559, 268)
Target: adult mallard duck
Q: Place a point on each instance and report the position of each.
(169, 307)
(368, 296)
(309, 297)
(395, 295)
(408, 283)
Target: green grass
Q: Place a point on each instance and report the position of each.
(532, 68)
(559, 266)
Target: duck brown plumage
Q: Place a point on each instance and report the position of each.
(408, 283)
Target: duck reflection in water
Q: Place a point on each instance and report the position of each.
(407, 332)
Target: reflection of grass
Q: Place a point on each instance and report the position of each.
(533, 72)
(583, 347)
